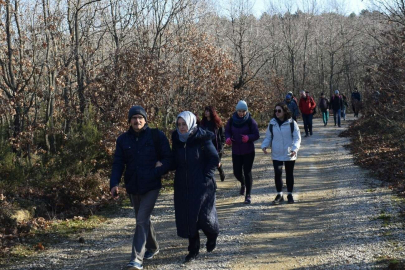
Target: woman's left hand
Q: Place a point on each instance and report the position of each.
(293, 154)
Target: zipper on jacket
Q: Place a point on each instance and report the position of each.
(185, 158)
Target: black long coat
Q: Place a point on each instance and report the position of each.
(194, 185)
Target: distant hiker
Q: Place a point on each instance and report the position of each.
(240, 132)
(293, 97)
(284, 139)
(336, 104)
(356, 102)
(195, 160)
(345, 105)
(323, 105)
(211, 121)
(145, 155)
(307, 106)
(292, 106)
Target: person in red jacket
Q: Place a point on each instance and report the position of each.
(307, 106)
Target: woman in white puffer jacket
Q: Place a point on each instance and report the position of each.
(284, 138)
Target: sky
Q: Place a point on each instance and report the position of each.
(350, 6)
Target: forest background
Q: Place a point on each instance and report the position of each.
(71, 69)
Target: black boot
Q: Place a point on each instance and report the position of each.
(211, 244)
(191, 256)
(193, 247)
(221, 173)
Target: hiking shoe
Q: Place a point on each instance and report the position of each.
(149, 254)
(242, 190)
(211, 244)
(247, 199)
(279, 199)
(290, 198)
(132, 265)
(191, 257)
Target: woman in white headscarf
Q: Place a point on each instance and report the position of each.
(195, 161)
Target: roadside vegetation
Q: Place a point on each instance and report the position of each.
(69, 74)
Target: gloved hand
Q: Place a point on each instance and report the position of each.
(245, 138)
(228, 141)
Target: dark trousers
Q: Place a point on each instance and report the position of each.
(289, 171)
(307, 118)
(336, 114)
(242, 169)
(194, 241)
(145, 236)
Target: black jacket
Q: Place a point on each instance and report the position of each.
(137, 155)
(194, 185)
(219, 133)
(336, 103)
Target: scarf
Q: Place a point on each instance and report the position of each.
(238, 121)
(191, 122)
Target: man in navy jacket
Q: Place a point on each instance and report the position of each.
(144, 162)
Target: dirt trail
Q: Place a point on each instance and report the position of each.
(336, 221)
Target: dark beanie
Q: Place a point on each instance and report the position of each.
(137, 110)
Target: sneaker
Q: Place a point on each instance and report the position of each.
(242, 190)
(279, 199)
(247, 199)
(290, 198)
(134, 265)
(191, 257)
(149, 254)
(211, 244)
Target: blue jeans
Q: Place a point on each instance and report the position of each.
(325, 117)
(336, 113)
(344, 114)
(307, 123)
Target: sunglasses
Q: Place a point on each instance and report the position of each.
(278, 111)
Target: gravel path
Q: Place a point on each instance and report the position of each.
(342, 219)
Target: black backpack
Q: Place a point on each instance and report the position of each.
(323, 104)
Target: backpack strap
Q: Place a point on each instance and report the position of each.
(156, 142)
(250, 124)
(292, 127)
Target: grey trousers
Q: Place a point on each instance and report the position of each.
(145, 236)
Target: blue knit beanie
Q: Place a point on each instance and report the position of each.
(241, 106)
